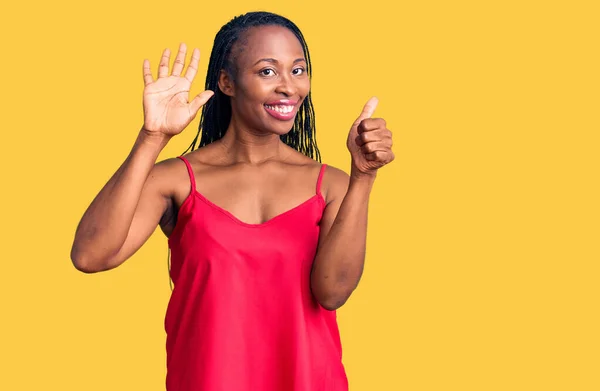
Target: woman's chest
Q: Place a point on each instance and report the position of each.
(254, 196)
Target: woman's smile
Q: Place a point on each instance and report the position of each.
(283, 110)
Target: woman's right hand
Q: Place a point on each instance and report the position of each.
(166, 108)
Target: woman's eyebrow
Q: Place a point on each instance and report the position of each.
(274, 61)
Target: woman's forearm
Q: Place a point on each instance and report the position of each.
(339, 262)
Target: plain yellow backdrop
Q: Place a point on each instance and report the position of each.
(482, 268)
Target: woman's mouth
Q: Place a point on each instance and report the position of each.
(281, 111)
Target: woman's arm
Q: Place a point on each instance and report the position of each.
(339, 261)
(129, 207)
(125, 212)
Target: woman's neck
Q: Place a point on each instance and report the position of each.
(244, 145)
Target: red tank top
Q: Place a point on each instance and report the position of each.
(241, 316)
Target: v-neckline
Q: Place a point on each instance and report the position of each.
(224, 211)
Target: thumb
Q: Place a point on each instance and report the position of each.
(200, 100)
(367, 111)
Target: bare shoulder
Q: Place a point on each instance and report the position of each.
(169, 177)
(207, 156)
(167, 166)
(335, 183)
(175, 168)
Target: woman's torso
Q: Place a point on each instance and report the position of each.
(242, 315)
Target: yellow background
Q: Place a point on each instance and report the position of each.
(483, 250)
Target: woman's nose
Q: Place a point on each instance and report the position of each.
(286, 85)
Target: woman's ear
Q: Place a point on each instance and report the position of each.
(226, 83)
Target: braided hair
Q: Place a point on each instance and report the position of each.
(216, 113)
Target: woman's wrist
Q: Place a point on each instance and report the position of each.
(152, 139)
(358, 176)
(361, 182)
(149, 145)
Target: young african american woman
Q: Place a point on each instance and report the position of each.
(266, 242)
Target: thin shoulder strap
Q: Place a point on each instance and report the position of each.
(190, 172)
(320, 180)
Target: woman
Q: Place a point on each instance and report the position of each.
(266, 242)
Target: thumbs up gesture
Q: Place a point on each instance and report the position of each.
(369, 142)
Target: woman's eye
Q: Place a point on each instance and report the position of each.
(267, 72)
(298, 71)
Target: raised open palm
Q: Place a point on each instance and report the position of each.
(167, 109)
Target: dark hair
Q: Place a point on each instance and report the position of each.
(216, 113)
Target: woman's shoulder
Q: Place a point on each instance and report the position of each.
(176, 170)
(170, 176)
(201, 154)
(335, 183)
(334, 180)
(335, 174)
(202, 159)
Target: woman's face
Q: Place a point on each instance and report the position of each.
(270, 81)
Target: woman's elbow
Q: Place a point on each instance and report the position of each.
(82, 264)
(332, 305)
(331, 299)
(86, 264)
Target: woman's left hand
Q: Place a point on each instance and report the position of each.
(369, 142)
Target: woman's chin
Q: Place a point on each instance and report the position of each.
(279, 127)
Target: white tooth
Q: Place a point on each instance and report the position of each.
(283, 109)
